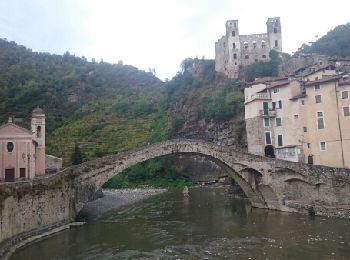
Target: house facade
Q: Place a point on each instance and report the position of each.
(23, 151)
(301, 119)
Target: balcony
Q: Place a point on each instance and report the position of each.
(260, 96)
(267, 112)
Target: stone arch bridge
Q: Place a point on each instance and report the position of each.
(53, 200)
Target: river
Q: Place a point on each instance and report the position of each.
(207, 225)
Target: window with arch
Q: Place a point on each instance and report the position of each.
(233, 45)
(235, 56)
(275, 30)
(10, 146)
(233, 33)
(38, 131)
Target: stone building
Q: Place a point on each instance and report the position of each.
(22, 154)
(234, 51)
(305, 119)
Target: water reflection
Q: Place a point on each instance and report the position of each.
(207, 224)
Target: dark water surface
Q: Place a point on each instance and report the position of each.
(208, 225)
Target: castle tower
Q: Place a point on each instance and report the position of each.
(234, 47)
(274, 33)
(38, 130)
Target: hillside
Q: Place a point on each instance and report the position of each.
(104, 107)
(107, 108)
(334, 43)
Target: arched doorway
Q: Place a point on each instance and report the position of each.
(269, 151)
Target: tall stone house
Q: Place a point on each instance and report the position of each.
(234, 51)
(304, 119)
(22, 154)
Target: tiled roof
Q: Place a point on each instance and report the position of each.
(323, 80)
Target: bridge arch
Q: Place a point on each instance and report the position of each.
(230, 161)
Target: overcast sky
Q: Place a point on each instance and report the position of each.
(158, 33)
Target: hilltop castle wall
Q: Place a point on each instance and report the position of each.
(234, 51)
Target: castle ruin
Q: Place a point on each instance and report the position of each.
(234, 51)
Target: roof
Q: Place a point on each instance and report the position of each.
(37, 110)
(278, 84)
(302, 95)
(17, 127)
(319, 69)
(323, 80)
(344, 81)
(267, 79)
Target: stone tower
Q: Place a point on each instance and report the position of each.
(275, 34)
(38, 130)
(233, 47)
(234, 51)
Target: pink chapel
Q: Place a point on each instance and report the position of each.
(22, 154)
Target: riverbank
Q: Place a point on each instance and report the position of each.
(111, 200)
(114, 199)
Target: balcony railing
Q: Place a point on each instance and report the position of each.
(260, 96)
(267, 112)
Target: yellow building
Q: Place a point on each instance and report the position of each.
(300, 119)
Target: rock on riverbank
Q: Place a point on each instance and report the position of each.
(113, 199)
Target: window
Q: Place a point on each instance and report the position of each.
(10, 147)
(322, 146)
(345, 95)
(318, 99)
(305, 129)
(280, 104)
(38, 131)
(245, 45)
(266, 107)
(320, 122)
(317, 86)
(264, 56)
(263, 45)
(268, 138)
(22, 172)
(246, 57)
(296, 116)
(266, 122)
(254, 44)
(273, 105)
(235, 56)
(234, 45)
(276, 43)
(279, 140)
(276, 90)
(308, 145)
(278, 121)
(233, 33)
(346, 111)
(303, 102)
(275, 30)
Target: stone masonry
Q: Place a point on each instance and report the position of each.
(234, 51)
(49, 201)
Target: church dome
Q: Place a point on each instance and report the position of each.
(38, 111)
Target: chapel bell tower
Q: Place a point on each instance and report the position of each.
(38, 130)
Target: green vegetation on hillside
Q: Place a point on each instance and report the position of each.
(263, 69)
(159, 173)
(334, 43)
(104, 108)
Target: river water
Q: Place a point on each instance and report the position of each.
(208, 225)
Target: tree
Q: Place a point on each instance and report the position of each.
(77, 157)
